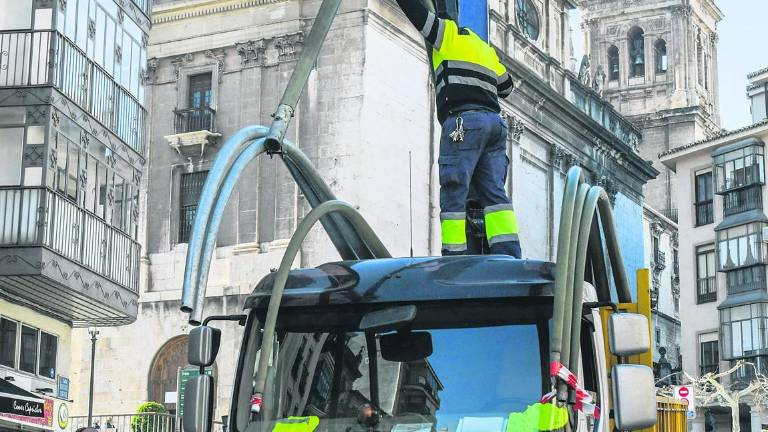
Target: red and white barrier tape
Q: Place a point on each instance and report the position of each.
(584, 402)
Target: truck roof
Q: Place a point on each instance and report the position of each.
(336, 288)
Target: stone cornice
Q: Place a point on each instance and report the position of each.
(757, 72)
(192, 10)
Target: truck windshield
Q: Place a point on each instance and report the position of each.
(473, 380)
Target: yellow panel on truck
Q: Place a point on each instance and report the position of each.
(671, 413)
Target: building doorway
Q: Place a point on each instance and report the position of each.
(163, 374)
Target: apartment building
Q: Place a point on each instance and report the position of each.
(72, 145)
(723, 250)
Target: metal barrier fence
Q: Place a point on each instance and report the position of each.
(194, 119)
(671, 415)
(45, 57)
(144, 422)
(31, 216)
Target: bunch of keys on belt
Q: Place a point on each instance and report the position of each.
(458, 134)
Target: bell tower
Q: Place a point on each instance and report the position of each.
(659, 63)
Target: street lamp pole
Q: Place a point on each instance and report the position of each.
(93, 332)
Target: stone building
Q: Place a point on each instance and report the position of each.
(72, 148)
(366, 115)
(724, 297)
(657, 64)
(661, 257)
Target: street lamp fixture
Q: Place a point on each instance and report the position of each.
(93, 331)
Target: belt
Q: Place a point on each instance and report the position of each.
(472, 110)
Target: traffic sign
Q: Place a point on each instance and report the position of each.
(184, 376)
(687, 395)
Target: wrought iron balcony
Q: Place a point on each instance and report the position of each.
(66, 259)
(670, 213)
(194, 120)
(706, 290)
(705, 213)
(659, 260)
(47, 58)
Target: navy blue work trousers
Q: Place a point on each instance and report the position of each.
(476, 167)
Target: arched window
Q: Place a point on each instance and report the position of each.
(636, 52)
(528, 19)
(661, 56)
(613, 63)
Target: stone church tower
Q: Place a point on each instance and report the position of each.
(656, 62)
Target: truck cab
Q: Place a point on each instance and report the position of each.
(408, 344)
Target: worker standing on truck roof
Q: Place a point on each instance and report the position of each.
(469, 78)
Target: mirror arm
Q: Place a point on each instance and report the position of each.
(240, 318)
(592, 305)
(373, 368)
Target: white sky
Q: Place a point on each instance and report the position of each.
(743, 48)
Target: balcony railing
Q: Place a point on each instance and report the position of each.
(745, 279)
(741, 200)
(670, 213)
(47, 58)
(704, 212)
(659, 260)
(706, 290)
(39, 217)
(602, 112)
(194, 119)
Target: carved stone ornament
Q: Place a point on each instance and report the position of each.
(218, 58)
(684, 10)
(289, 46)
(178, 62)
(91, 28)
(150, 73)
(55, 117)
(610, 186)
(251, 52)
(515, 127)
(657, 228)
(598, 81)
(120, 16)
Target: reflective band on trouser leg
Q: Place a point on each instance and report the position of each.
(500, 224)
(454, 231)
(297, 424)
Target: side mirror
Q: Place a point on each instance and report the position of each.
(204, 344)
(634, 397)
(198, 400)
(628, 334)
(405, 347)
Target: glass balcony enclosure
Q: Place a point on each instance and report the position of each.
(743, 331)
(741, 246)
(739, 165)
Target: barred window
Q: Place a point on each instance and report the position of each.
(191, 186)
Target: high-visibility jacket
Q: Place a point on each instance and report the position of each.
(467, 69)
